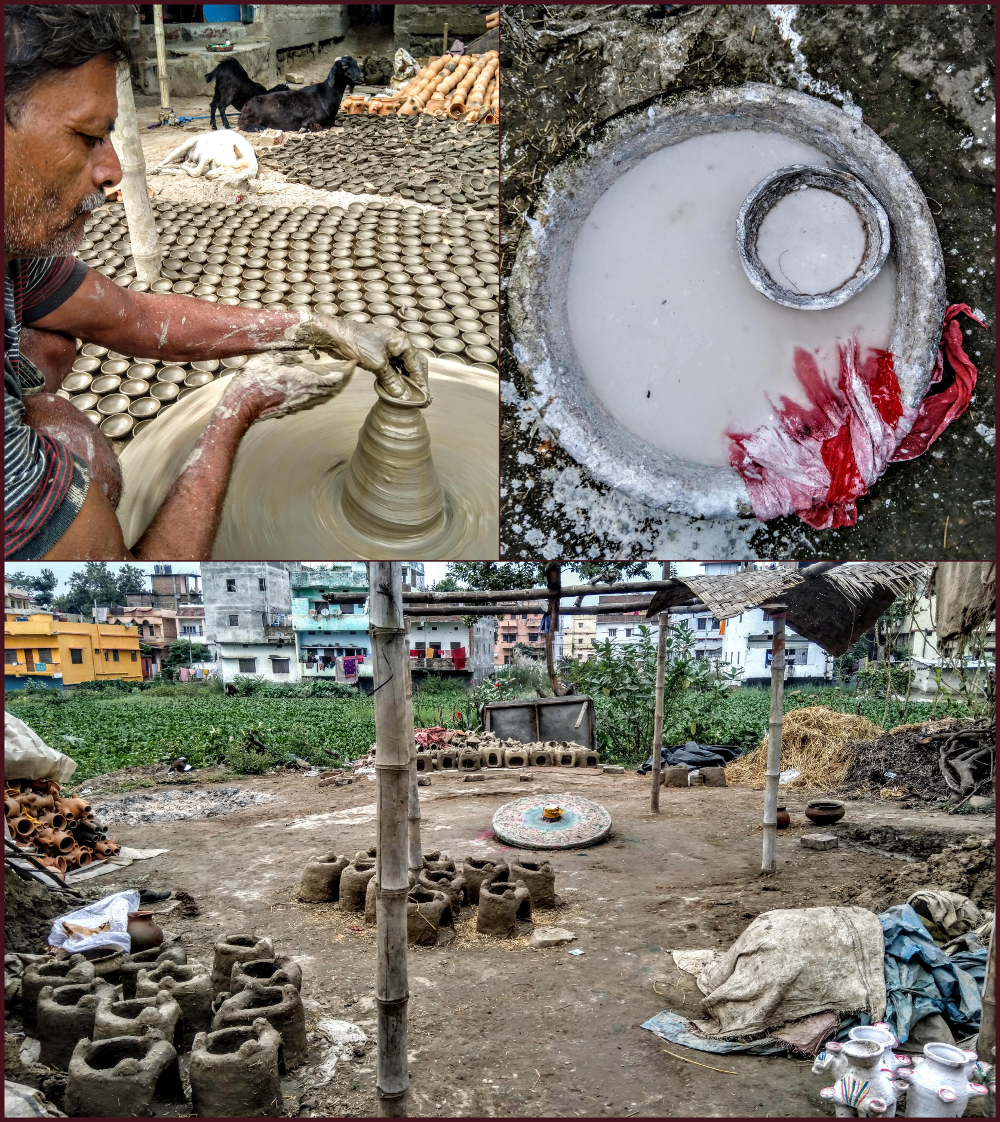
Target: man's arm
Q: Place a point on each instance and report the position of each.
(164, 325)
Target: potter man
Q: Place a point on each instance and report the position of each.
(62, 481)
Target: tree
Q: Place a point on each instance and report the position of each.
(445, 584)
(182, 652)
(607, 572)
(131, 581)
(497, 576)
(95, 583)
(41, 587)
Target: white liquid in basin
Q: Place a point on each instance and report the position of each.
(670, 333)
(811, 241)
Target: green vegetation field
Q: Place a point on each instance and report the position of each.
(104, 731)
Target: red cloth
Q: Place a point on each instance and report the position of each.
(458, 657)
(819, 459)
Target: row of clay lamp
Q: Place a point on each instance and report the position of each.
(461, 87)
(63, 832)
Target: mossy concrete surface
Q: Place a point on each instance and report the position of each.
(922, 78)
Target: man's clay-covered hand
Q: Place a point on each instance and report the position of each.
(276, 384)
(386, 351)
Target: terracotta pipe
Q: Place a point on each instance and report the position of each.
(73, 808)
(11, 807)
(35, 802)
(22, 826)
(76, 857)
(59, 840)
(106, 849)
(56, 863)
(46, 786)
(52, 820)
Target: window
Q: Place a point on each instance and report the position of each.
(579, 623)
(231, 585)
(612, 632)
(435, 649)
(508, 638)
(107, 656)
(702, 623)
(279, 665)
(456, 646)
(234, 620)
(132, 653)
(114, 655)
(699, 654)
(532, 636)
(45, 654)
(262, 584)
(194, 629)
(628, 632)
(10, 658)
(248, 665)
(715, 624)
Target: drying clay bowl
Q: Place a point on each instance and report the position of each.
(770, 190)
(824, 812)
(537, 289)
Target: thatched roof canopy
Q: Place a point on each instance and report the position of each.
(833, 609)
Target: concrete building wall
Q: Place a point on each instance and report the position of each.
(276, 664)
(243, 597)
(484, 637)
(418, 27)
(523, 628)
(579, 633)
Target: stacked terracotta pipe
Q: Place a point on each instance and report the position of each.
(63, 832)
(460, 87)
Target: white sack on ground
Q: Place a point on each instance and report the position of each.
(27, 756)
(101, 924)
(792, 963)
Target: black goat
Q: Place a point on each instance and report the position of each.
(235, 87)
(311, 108)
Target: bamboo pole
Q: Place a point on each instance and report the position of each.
(553, 580)
(135, 195)
(416, 854)
(161, 56)
(774, 743)
(392, 770)
(987, 1041)
(661, 668)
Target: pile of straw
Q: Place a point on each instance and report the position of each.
(814, 740)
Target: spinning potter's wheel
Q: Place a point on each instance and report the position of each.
(297, 489)
(523, 823)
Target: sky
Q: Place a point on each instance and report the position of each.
(433, 570)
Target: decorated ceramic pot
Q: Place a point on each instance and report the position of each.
(881, 1032)
(940, 1082)
(862, 1089)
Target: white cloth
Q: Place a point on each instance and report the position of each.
(101, 924)
(793, 963)
(27, 756)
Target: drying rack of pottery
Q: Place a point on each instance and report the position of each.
(432, 274)
(427, 159)
(118, 1024)
(472, 752)
(872, 1079)
(501, 891)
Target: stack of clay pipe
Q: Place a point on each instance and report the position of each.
(63, 832)
(460, 87)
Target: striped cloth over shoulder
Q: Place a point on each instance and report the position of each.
(44, 484)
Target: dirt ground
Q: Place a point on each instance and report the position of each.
(922, 78)
(492, 1029)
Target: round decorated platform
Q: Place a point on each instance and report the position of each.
(521, 823)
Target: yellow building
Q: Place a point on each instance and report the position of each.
(579, 633)
(43, 647)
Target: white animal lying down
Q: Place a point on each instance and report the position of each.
(215, 155)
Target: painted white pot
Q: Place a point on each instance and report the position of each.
(863, 1089)
(880, 1032)
(939, 1084)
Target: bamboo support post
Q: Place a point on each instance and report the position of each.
(161, 56)
(774, 743)
(663, 620)
(392, 771)
(553, 580)
(987, 1041)
(416, 853)
(135, 195)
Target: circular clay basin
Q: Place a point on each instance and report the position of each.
(540, 283)
(118, 425)
(113, 403)
(824, 812)
(782, 183)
